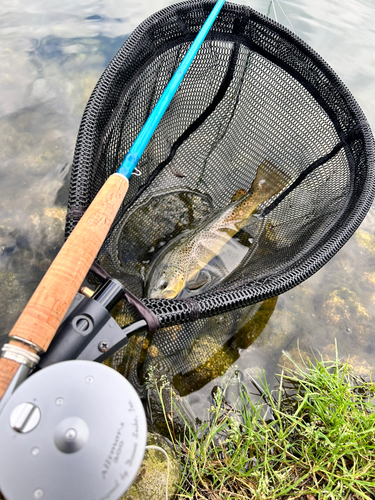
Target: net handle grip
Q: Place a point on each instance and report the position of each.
(47, 307)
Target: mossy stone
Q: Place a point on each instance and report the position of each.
(150, 482)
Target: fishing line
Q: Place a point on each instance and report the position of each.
(272, 3)
(282, 10)
(158, 448)
(274, 10)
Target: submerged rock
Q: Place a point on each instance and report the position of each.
(359, 366)
(344, 311)
(253, 373)
(295, 358)
(365, 240)
(26, 251)
(343, 305)
(279, 333)
(48, 229)
(369, 279)
(151, 480)
(214, 367)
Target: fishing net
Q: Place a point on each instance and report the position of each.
(255, 93)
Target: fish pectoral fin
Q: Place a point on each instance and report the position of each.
(200, 279)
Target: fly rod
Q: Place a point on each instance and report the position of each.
(37, 325)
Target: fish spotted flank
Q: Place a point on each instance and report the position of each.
(180, 263)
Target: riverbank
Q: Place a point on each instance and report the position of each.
(310, 438)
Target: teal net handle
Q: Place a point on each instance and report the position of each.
(135, 152)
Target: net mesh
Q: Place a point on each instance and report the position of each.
(254, 92)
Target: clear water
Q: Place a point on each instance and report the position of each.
(51, 55)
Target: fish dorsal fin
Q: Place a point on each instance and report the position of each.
(238, 195)
(269, 180)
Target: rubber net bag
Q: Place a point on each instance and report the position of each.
(255, 95)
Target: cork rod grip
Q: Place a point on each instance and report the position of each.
(46, 308)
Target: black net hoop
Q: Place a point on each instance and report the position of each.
(255, 91)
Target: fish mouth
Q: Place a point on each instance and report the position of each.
(165, 294)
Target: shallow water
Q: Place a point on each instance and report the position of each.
(52, 54)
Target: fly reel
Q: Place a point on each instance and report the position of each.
(76, 429)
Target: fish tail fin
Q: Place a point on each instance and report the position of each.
(269, 180)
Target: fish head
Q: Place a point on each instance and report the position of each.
(167, 283)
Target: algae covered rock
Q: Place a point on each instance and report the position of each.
(361, 367)
(344, 311)
(151, 480)
(215, 366)
(365, 240)
(369, 279)
(342, 306)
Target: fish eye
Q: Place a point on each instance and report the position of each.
(163, 284)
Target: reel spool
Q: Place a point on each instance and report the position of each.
(76, 429)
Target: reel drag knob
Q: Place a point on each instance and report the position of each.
(76, 429)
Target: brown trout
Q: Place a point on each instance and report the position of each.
(180, 263)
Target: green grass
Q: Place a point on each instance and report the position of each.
(319, 442)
